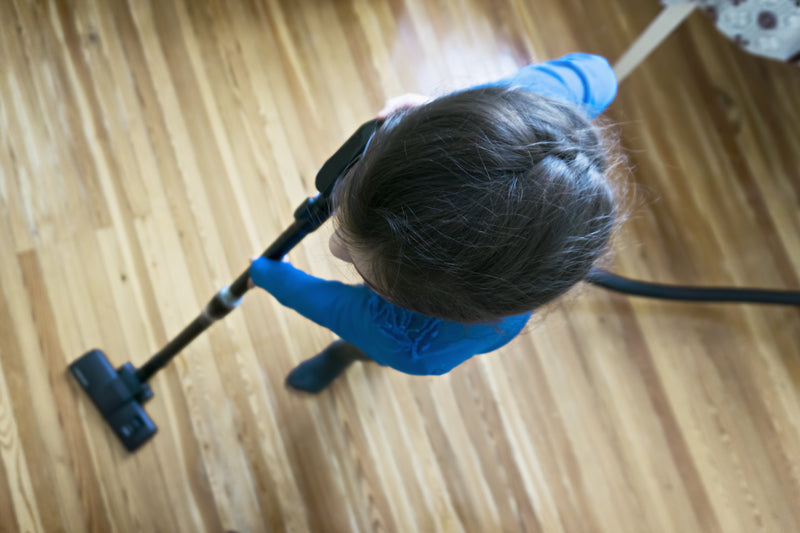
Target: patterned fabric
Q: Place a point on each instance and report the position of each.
(768, 28)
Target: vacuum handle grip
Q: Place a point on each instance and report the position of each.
(308, 217)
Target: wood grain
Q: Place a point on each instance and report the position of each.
(148, 148)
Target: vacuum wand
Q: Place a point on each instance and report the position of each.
(308, 217)
(120, 393)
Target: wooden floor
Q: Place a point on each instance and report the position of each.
(147, 149)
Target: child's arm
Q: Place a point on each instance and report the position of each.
(419, 349)
(583, 79)
(342, 308)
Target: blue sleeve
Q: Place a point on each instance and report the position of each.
(342, 308)
(582, 79)
(391, 340)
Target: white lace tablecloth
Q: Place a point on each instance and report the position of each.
(769, 28)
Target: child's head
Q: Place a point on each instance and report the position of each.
(478, 205)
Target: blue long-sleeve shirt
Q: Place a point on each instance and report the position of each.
(402, 339)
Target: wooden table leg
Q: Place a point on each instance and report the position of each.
(658, 30)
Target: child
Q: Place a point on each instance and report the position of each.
(464, 214)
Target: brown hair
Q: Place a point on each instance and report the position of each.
(478, 205)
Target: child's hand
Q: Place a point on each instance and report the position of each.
(253, 259)
(402, 102)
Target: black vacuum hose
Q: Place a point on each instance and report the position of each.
(616, 283)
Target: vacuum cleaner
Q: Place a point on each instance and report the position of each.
(119, 394)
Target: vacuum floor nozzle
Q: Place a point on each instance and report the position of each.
(118, 395)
